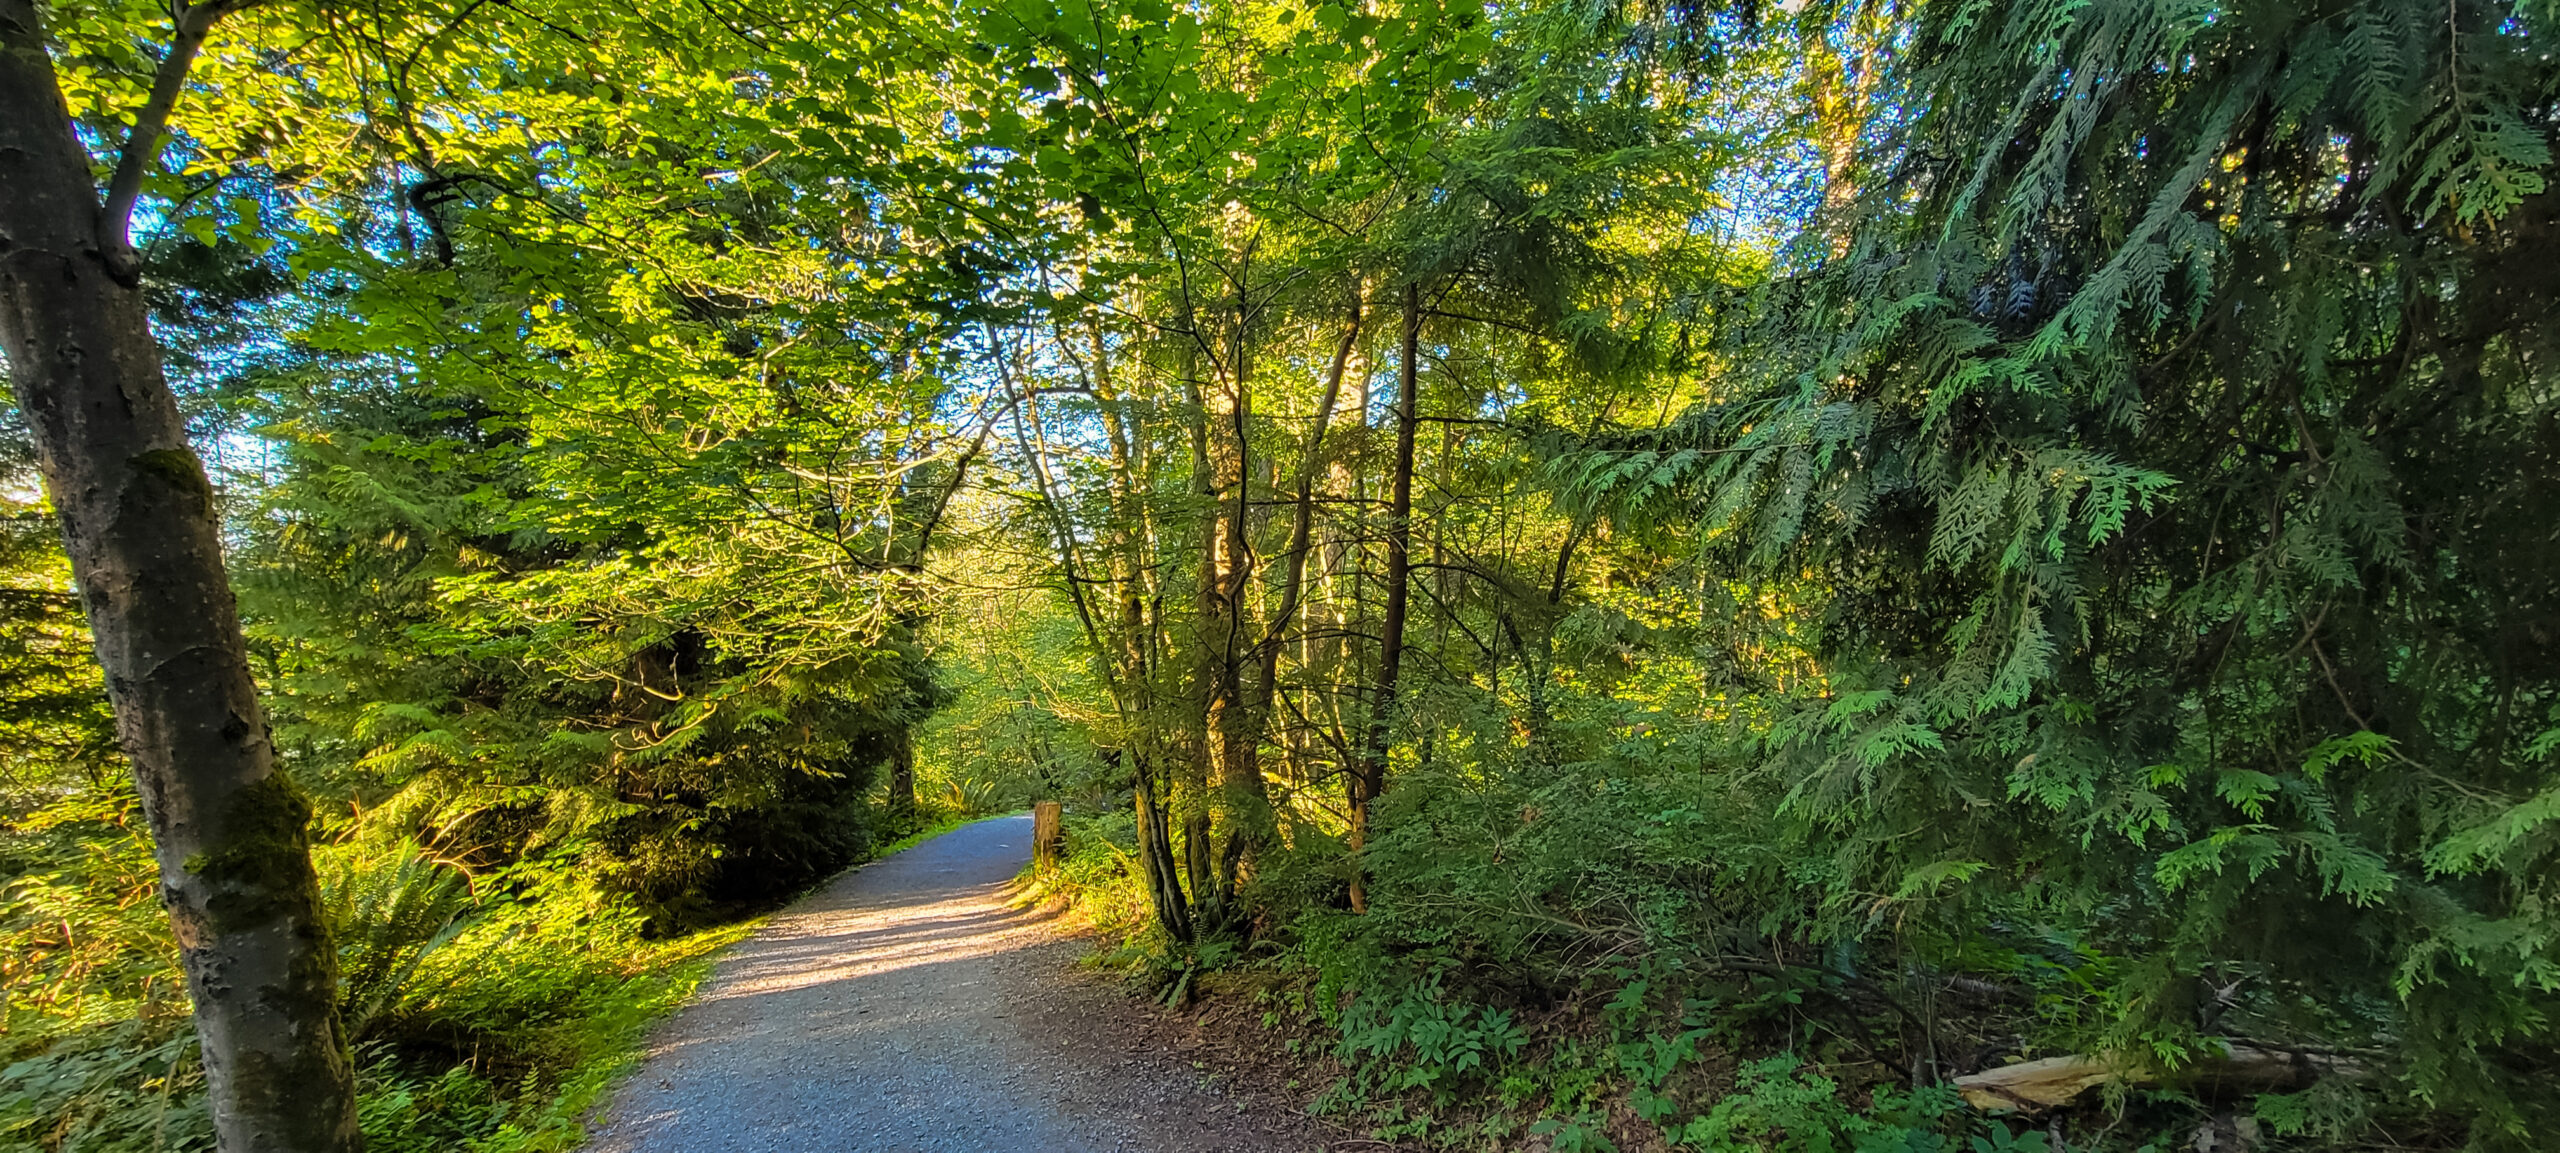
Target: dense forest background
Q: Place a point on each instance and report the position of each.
(1647, 575)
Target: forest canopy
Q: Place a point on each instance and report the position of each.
(1660, 575)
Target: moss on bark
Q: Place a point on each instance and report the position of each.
(178, 469)
(260, 869)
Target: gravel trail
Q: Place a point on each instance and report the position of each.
(908, 1007)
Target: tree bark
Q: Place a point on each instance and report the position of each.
(138, 520)
(1133, 692)
(1231, 728)
(1129, 669)
(1370, 777)
(1840, 82)
(902, 782)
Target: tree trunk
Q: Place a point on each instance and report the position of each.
(902, 782)
(1370, 778)
(1048, 836)
(1231, 726)
(1293, 581)
(139, 522)
(1233, 739)
(1840, 82)
(1133, 687)
(1155, 854)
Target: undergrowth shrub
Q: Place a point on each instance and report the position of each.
(1422, 1040)
(489, 1012)
(1779, 1106)
(389, 908)
(1627, 949)
(1100, 875)
(97, 1048)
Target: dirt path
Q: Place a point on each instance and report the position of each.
(907, 1007)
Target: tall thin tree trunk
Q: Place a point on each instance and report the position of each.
(1155, 856)
(1130, 672)
(1231, 727)
(902, 782)
(1191, 800)
(1370, 779)
(1293, 582)
(1348, 583)
(138, 519)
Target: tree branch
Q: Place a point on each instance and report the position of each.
(141, 151)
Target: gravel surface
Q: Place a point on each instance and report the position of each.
(909, 1006)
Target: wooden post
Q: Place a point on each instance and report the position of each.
(1048, 836)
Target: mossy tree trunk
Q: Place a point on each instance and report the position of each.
(138, 520)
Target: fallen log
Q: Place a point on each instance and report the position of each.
(2033, 1086)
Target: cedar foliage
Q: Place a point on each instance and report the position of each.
(2172, 437)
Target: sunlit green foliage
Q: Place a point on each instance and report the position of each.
(53, 708)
